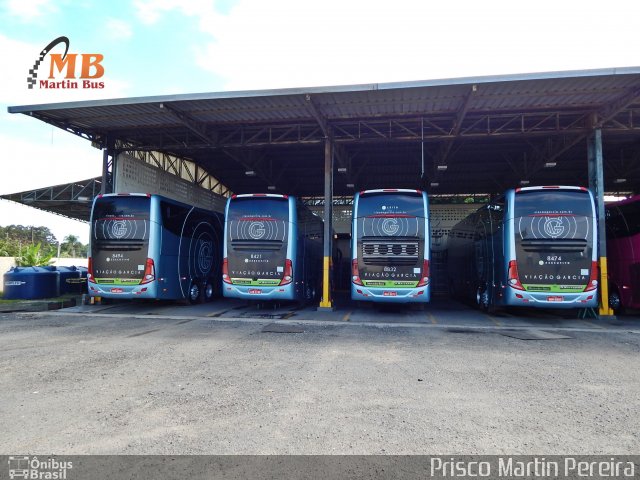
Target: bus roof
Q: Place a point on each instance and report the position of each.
(550, 187)
(124, 195)
(390, 190)
(271, 195)
(632, 199)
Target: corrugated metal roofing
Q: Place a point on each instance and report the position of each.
(361, 112)
(532, 91)
(71, 200)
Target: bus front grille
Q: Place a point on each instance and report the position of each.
(253, 245)
(119, 245)
(390, 253)
(558, 245)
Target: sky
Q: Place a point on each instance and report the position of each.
(156, 47)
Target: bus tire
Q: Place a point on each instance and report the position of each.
(452, 290)
(482, 297)
(195, 292)
(209, 291)
(615, 301)
(309, 292)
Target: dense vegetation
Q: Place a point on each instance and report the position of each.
(20, 241)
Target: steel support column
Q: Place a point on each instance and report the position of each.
(326, 303)
(596, 184)
(107, 171)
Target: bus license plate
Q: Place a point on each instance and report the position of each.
(255, 291)
(116, 290)
(555, 299)
(389, 294)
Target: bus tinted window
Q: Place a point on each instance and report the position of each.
(173, 217)
(631, 214)
(553, 215)
(387, 204)
(121, 218)
(125, 206)
(575, 202)
(259, 207)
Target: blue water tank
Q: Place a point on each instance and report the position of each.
(70, 280)
(31, 283)
(84, 271)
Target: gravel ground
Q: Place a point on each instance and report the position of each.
(89, 385)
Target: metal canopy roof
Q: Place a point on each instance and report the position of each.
(71, 200)
(465, 135)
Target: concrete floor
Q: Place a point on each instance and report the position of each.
(441, 312)
(165, 379)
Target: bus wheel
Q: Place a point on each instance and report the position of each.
(309, 292)
(615, 302)
(208, 291)
(482, 297)
(452, 290)
(194, 292)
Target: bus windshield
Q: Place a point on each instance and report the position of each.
(120, 240)
(391, 205)
(257, 234)
(390, 238)
(554, 239)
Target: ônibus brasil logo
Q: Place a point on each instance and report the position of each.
(67, 70)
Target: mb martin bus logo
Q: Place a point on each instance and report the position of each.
(74, 71)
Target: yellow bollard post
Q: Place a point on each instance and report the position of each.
(604, 309)
(326, 287)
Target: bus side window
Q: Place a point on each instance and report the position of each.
(498, 212)
(481, 225)
(616, 224)
(173, 217)
(631, 216)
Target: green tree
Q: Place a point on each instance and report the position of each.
(16, 237)
(33, 256)
(5, 249)
(14, 240)
(71, 246)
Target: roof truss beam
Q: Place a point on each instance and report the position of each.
(522, 125)
(198, 128)
(598, 119)
(183, 168)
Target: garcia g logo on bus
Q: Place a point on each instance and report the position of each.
(73, 71)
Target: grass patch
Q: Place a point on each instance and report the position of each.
(4, 301)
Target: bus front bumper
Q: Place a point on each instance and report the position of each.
(551, 300)
(261, 292)
(121, 291)
(388, 295)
